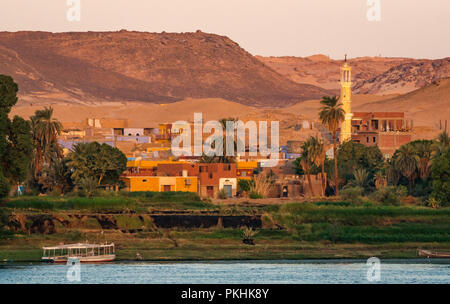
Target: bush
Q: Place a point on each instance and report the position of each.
(222, 194)
(245, 184)
(255, 195)
(89, 185)
(391, 195)
(440, 172)
(352, 194)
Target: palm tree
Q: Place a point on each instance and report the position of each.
(442, 143)
(380, 180)
(45, 132)
(332, 115)
(424, 150)
(392, 173)
(318, 155)
(307, 160)
(47, 127)
(406, 161)
(361, 177)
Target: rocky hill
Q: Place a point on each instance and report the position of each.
(405, 77)
(371, 75)
(136, 66)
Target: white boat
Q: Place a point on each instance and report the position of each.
(86, 253)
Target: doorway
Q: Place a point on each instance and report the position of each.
(210, 191)
(228, 190)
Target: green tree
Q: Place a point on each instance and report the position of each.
(360, 178)
(406, 161)
(103, 163)
(4, 186)
(440, 173)
(307, 159)
(45, 129)
(332, 115)
(353, 155)
(317, 151)
(17, 159)
(441, 144)
(15, 139)
(424, 151)
(55, 175)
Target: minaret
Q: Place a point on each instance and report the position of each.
(346, 99)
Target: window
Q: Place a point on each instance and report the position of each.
(144, 180)
(367, 139)
(244, 173)
(187, 182)
(374, 139)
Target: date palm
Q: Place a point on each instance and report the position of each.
(307, 160)
(45, 132)
(380, 180)
(424, 150)
(318, 154)
(332, 115)
(361, 177)
(442, 143)
(47, 128)
(407, 161)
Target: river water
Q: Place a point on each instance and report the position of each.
(239, 272)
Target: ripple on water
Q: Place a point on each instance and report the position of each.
(261, 272)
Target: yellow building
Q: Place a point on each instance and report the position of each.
(346, 99)
(245, 169)
(149, 164)
(160, 183)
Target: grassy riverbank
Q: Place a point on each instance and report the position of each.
(320, 230)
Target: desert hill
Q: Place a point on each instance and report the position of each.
(136, 66)
(426, 106)
(372, 75)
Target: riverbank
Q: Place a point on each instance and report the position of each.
(188, 229)
(201, 246)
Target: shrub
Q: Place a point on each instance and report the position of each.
(245, 184)
(255, 195)
(222, 194)
(247, 235)
(391, 195)
(352, 194)
(89, 185)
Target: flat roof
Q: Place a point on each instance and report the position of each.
(78, 246)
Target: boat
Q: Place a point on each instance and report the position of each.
(433, 254)
(84, 252)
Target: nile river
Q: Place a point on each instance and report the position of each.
(239, 272)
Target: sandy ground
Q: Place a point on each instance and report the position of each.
(425, 106)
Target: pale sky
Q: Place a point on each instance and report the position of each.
(408, 28)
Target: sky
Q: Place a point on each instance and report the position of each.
(402, 28)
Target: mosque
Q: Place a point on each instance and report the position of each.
(387, 130)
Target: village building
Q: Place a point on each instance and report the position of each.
(387, 130)
(210, 177)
